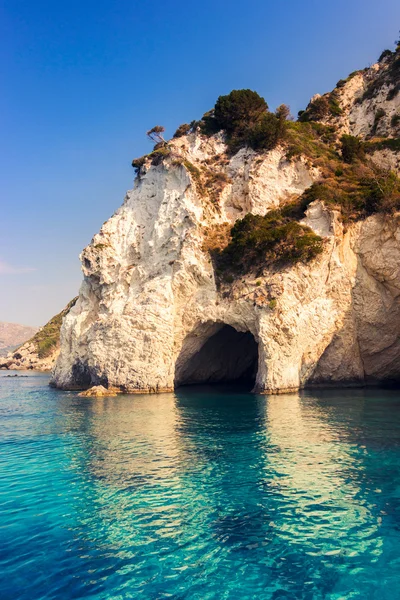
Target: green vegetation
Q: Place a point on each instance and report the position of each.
(342, 82)
(362, 190)
(138, 163)
(321, 108)
(389, 75)
(158, 154)
(334, 106)
(196, 175)
(395, 120)
(192, 168)
(183, 129)
(268, 132)
(313, 140)
(272, 304)
(393, 92)
(392, 144)
(380, 113)
(161, 151)
(155, 134)
(352, 148)
(272, 239)
(385, 54)
(316, 110)
(47, 339)
(244, 117)
(349, 182)
(239, 110)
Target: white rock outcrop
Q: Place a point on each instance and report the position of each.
(149, 301)
(151, 315)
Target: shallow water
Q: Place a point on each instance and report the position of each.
(203, 494)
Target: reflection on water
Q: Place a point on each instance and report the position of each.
(206, 493)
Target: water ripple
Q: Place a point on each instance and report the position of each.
(198, 496)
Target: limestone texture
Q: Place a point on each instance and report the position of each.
(152, 314)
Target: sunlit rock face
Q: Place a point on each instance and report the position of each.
(369, 103)
(150, 307)
(149, 299)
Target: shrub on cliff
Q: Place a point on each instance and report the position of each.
(155, 134)
(245, 118)
(265, 134)
(269, 130)
(321, 107)
(158, 155)
(239, 110)
(359, 191)
(380, 113)
(334, 106)
(381, 191)
(352, 148)
(316, 110)
(138, 163)
(395, 120)
(274, 238)
(385, 54)
(183, 129)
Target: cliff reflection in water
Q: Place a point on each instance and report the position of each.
(187, 494)
(196, 479)
(316, 477)
(132, 439)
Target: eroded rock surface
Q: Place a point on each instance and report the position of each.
(150, 301)
(97, 391)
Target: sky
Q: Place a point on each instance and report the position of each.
(83, 80)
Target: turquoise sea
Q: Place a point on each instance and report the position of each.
(208, 493)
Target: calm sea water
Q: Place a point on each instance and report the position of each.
(202, 494)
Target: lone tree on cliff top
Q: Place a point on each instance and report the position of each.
(239, 109)
(155, 134)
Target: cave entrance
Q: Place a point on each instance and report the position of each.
(217, 353)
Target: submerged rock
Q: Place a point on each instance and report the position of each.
(97, 390)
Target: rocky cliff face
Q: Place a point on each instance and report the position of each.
(367, 104)
(153, 312)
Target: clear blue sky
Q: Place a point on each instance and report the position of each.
(83, 80)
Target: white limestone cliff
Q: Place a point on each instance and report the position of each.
(150, 301)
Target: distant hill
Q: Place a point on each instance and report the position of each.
(13, 335)
(39, 348)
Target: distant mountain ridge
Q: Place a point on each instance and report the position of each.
(14, 334)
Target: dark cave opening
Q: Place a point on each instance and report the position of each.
(227, 356)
